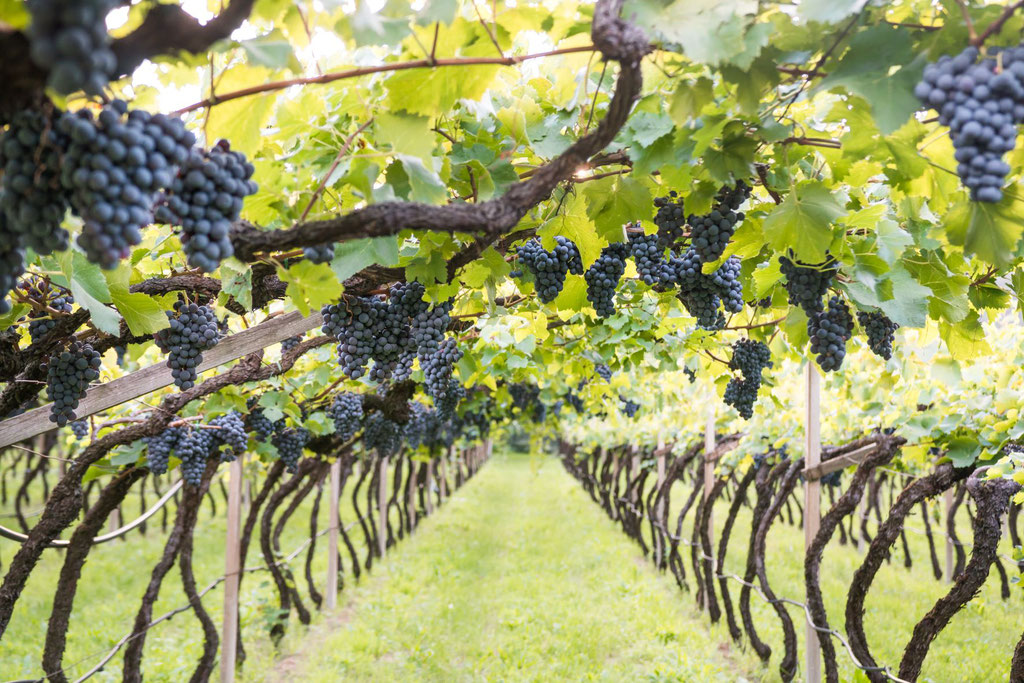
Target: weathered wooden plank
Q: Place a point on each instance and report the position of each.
(232, 569)
(812, 500)
(829, 466)
(149, 379)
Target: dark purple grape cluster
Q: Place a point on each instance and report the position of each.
(690, 375)
(230, 434)
(603, 371)
(80, 428)
(193, 448)
(159, 447)
(806, 284)
(670, 218)
(320, 253)
(428, 328)
(382, 434)
(649, 257)
(523, 395)
(352, 323)
(438, 368)
(549, 268)
(205, 199)
(575, 401)
(603, 277)
(749, 357)
(114, 167)
(290, 343)
(982, 103)
(290, 443)
(34, 200)
(68, 374)
(829, 332)
(628, 407)
(880, 330)
(449, 399)
(70, 41)
(12, 259)
(346, 412)
(257, 421)
(45, 296)
(193, 329)
(710, 234)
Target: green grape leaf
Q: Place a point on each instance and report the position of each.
(310, 285)
(992, 231)
(142, 313)
(236, 281)
(803, 222)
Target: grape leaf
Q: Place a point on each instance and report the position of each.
(803, 222)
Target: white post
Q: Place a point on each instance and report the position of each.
(947, 497)
(428, 494)
(659, 508)
(232, 567)
(709, 481)
(115, 520)
(444, 476)
(812, 497)
(382, 506)
(332, 537)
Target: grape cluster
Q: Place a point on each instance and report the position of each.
(603, 277)
(749, 358)
(703, 294)
(575, 402)
(290, 443)
(982, 103)
(880, 330)
(12, 260)
(391, 337)
(670, 218)
(651, 265)
(428, 327)
(710, 234)
(628, 407)
(205, 199)
(120, 352)
(690, 375)
(70, 41)
(449, 399)
(549, 268)
(438, 367)
(114, 167)
(159, 447)
(257, 421)
(321, 253)
(68, 374)
(290, 343)
(193, 448)
(829, 331)
(523, 395)
(347, 413)
(806, 284)
(383, 434)
(193, 330)
(603, 371)
(39, 326)
(34, 200)
(352, 323)
(832, 479)
(231, 434)
(80, 428)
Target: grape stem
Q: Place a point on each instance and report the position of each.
(994, 27)
(330, 171)
(967, 21)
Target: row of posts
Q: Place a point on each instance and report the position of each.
(472, 455)
(812, 494)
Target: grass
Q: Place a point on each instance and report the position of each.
(519, 578)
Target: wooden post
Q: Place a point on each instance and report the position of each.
(410, 503)
(864, 504)
(947, 497)
(812, 497)
(382, 506)
(115, 519)
(709, 478)
(232, 567)
(428, 494)
(332, 538)
(444, 476)
(634, 471)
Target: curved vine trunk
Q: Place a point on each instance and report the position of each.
(765, 480)
(936, 567)
(958, 547)
(78, 549)
(184, 522)
(211, 641)
(314, 594)
(723, 548)
(707, 506)
(992, 498)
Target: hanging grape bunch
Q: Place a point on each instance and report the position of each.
(80, 428)
(449, 399)
(603, 277)
(549, 268)
(603, 371)
(982, 103)
(70, 41)
(193, 448)
(68, 374)
(231, 434)
(438, 367)
(629, 407)
(391, 338)
(649, 257)
(321, 253)
(880, 330)
(382, 434)
(710, 234)
(290, 343)
(829, 332)
(346, 411)
(352, 323)
(114, 167)
(257, 421)
(159, 447)
(205, 199)
(193, 329)
(670, 217)
(34, 200)
(290, 443)
(750, 358)
(806, 284)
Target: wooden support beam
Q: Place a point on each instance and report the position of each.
(709, 478)
(812, 498)
(149, 379)
(840, 462)
(947, 499)
(382, 506)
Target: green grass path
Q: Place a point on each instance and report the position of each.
(520, 577)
